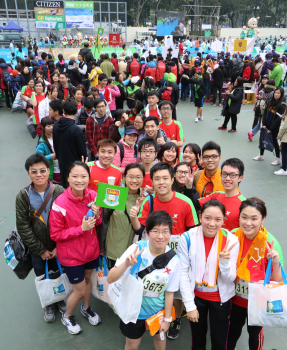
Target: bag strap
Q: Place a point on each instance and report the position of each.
(150, 199)
(122, 151)
(44, 204)
(169, 255)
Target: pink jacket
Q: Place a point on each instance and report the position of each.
(115, 93)
(128, 156)
(74, 246)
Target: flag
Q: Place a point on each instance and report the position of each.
(99, 44)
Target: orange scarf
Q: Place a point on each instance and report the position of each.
(203, 181)
(256, 252)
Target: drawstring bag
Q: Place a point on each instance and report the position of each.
(99, 281)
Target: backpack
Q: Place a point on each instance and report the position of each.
(262, 47)
(11, 84)
(166, 94)
(6, 75)
(256, 74)
(122, 151)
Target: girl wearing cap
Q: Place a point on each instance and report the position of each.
(127, 149)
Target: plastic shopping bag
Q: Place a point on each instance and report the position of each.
(31, 127)
(51, 291)
(126, 295)
(267, 301)
(99, 281)
(19, 104)
(152, 324)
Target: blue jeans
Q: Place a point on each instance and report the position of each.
(184, 90)
(257, 127)
(206, 84)
(191, 93)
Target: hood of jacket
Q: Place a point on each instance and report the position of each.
(269, 88)
(185, 66)
(171, 63)
(65, 123)
(34, 63)
(41, 62)
(171, 77)
(85, 50)
(269, 55)
(71, 67)
(151, 64)
(3, 65)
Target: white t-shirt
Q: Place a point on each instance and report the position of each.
(55, 162)
(156, 282)
(11, 47)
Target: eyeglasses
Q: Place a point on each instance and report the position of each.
(165, 109)
(138, 122)
(231, 175)
(157, 233)
(147, 152)
(101, 106)
(213, 157)
(180, 172)
(134, 177)
(35, 172)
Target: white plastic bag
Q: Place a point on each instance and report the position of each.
(126, 296)
(51, 291)
(99, 281)
(267, 302)
(30, 126)
(19, 104)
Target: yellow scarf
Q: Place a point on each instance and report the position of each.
(256, 252)
(203, 182)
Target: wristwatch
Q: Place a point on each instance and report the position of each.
(168, 319)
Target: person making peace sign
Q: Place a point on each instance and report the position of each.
(208, 256)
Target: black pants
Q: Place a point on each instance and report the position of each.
(214, 90)
(219, 322)
(64, 181)
(39, 264)
(233, 120)
(284, 155)
(7, 97)
(174, 113)
(275, 143)
(237, 321)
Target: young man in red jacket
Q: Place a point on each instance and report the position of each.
(105, 92)
(134, 66)
(98, 128)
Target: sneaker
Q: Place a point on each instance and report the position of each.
(174, 329)
(222, 128)
(276, 161)
(232, 130)
(259, 157)
(214, 105)
(196, 120)
(71, 324)
(61, 306)
(93, 318)
(219, 105)
(250, 136)
(49, 315)
(183, 314)
(200, 117)
(280, 172)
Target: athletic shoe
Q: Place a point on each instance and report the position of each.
(214, 105)
(61, 306)
(250, 136)
(174, 329)
(219, 105)
(276, 161)
(232, 130)
(93, 318)
(280, 172)
(196, 120)
(206, 100)
(200, 117)
(259, 157)
(183, 314)
(222, 128)
(49, 315)
(72, 326)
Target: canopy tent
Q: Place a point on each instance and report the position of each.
(13, 26)
(153, 28)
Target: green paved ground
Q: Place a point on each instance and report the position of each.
(23, 326)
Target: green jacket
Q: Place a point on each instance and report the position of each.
(276, 74)
(36, 238)
(107, 67)
(120, 233)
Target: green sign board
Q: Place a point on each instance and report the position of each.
(101, 31)
(79, 5)
(48, 18)
(110, 50)
(110, 196)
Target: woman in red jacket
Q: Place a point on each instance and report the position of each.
(77, 242)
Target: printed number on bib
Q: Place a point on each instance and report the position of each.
(153, 288)
(173, 243)
(241, 288)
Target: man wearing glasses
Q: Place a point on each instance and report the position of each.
(231, 175)
(36, 235)
(208, 180)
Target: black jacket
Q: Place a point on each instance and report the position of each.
(276, 121)
(69, 143)
(236, 101)
(88, 57)
(228, 67)
(218, 78)
(61, 92)
(201, 90)
(74, 75)
(174, 93)
(120, 99)
(191, 193)
(237, 70)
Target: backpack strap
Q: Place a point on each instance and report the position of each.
(150, 199)
(122, 151)
(44, 204)
(136, 151)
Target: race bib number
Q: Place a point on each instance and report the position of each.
(173, 243)
(153, 288)
(204, 288)
(241, 289)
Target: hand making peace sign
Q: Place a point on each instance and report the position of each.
(272, 253)
(225, 254)
(132, 259)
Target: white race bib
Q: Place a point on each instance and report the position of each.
(204, 288)
(154, 285)
(173, 243)
(241, 289)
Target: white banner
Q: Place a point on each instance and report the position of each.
(79, 18)
(241, 45)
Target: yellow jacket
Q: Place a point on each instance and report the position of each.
(94, 76)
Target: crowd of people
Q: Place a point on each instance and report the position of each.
(179, 197)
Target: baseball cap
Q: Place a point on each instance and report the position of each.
(265, 76)
(131, 130)
(221, 62)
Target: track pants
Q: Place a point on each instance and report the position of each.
(237, 321)
(219, 323)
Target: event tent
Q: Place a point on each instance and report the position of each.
(13, 26)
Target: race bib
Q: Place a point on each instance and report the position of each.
(241, 289)
(173, 243)
(152, 287)
(204, 288)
